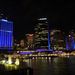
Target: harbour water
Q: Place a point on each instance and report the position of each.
(53, 66)
(48, 66)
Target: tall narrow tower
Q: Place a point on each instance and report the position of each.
(41, 34)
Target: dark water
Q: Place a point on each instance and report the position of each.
(53, 66)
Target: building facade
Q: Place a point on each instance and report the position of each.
(41, 34)
(57, 40)
(70, 41)
(30, 41)
(6, 34)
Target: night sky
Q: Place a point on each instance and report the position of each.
(60, 14)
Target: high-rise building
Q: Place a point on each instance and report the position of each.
(57, 40)
(70, 41)
(6, 34)
(41, 34)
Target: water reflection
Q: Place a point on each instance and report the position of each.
(53, 66)
(50, 66)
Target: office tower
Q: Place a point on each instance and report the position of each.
(57, 40)
(41, 34)
(6, 34)
(70, 41)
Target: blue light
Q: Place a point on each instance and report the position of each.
(6, 31)
(25, 52)
(67, 47)
(70, 45)
(49, 41)
(73, 43)
(6, 34)
(41, 50)
(4, 20)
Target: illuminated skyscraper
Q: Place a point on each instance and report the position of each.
(57, 40)
(6, 34)
(70, 41)
(41, 34)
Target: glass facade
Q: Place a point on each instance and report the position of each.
(70, 41)
(57, 40)
(41, 34)
(6, 34)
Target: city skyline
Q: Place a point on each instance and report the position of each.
(24, 14)
(37, 37)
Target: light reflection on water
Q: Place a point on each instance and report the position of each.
(53, 66)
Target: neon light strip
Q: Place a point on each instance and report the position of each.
(6, 31)
(4, 20)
